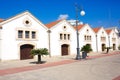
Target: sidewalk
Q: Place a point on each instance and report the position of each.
(30, 62)
(12, 67)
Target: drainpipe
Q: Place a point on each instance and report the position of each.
(96, 43)
(109, 40)
(49, 37)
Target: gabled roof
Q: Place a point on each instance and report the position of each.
(96, 29)
(79, 26)
(49, 25)
(22, 14)
(108, 31)
(54, 24)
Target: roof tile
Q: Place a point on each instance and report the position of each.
(49, 25)
(1, 20)
(108, 31)
(96, 29)
(79, 26)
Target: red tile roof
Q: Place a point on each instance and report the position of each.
(108, 31)
(49, 25)
(96, 29)
(1, 20)
(79, 26)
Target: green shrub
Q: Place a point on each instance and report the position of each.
(86, 48)
(41, 51)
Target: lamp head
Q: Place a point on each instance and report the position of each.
(82, 13)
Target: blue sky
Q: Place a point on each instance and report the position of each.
(104, 13)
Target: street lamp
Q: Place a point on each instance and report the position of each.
(82, 13)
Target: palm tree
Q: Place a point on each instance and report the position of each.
(39, 52)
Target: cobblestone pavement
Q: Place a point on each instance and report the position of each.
(94, 68)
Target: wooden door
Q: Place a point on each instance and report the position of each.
(114, 46)
(103, 47)
(64, 48)
(25, 52)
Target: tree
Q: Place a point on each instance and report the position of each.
(39, 52)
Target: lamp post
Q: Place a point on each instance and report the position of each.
(82, 13)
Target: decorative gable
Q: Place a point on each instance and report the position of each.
(27, 16)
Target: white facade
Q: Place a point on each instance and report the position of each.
(62, 34)
(113, 39)
(23, 32)
(101, 39)
(87, 36)
(117, 31)
(26, 23)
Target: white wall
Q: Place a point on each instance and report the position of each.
(84, 32)
(113, 35)
(55, 38)
(10, 44)
(100, 33)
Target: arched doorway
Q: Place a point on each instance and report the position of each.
(103, 47)
(114, 46)
(64, 49)
(25, 51)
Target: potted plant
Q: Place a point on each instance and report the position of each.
(39, 52)
(86, 49)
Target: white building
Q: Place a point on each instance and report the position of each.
(23, 32)
(62, 38)
(117, 31)
(20, 34)
(112, 39)
(101, 39)
(87, 36)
